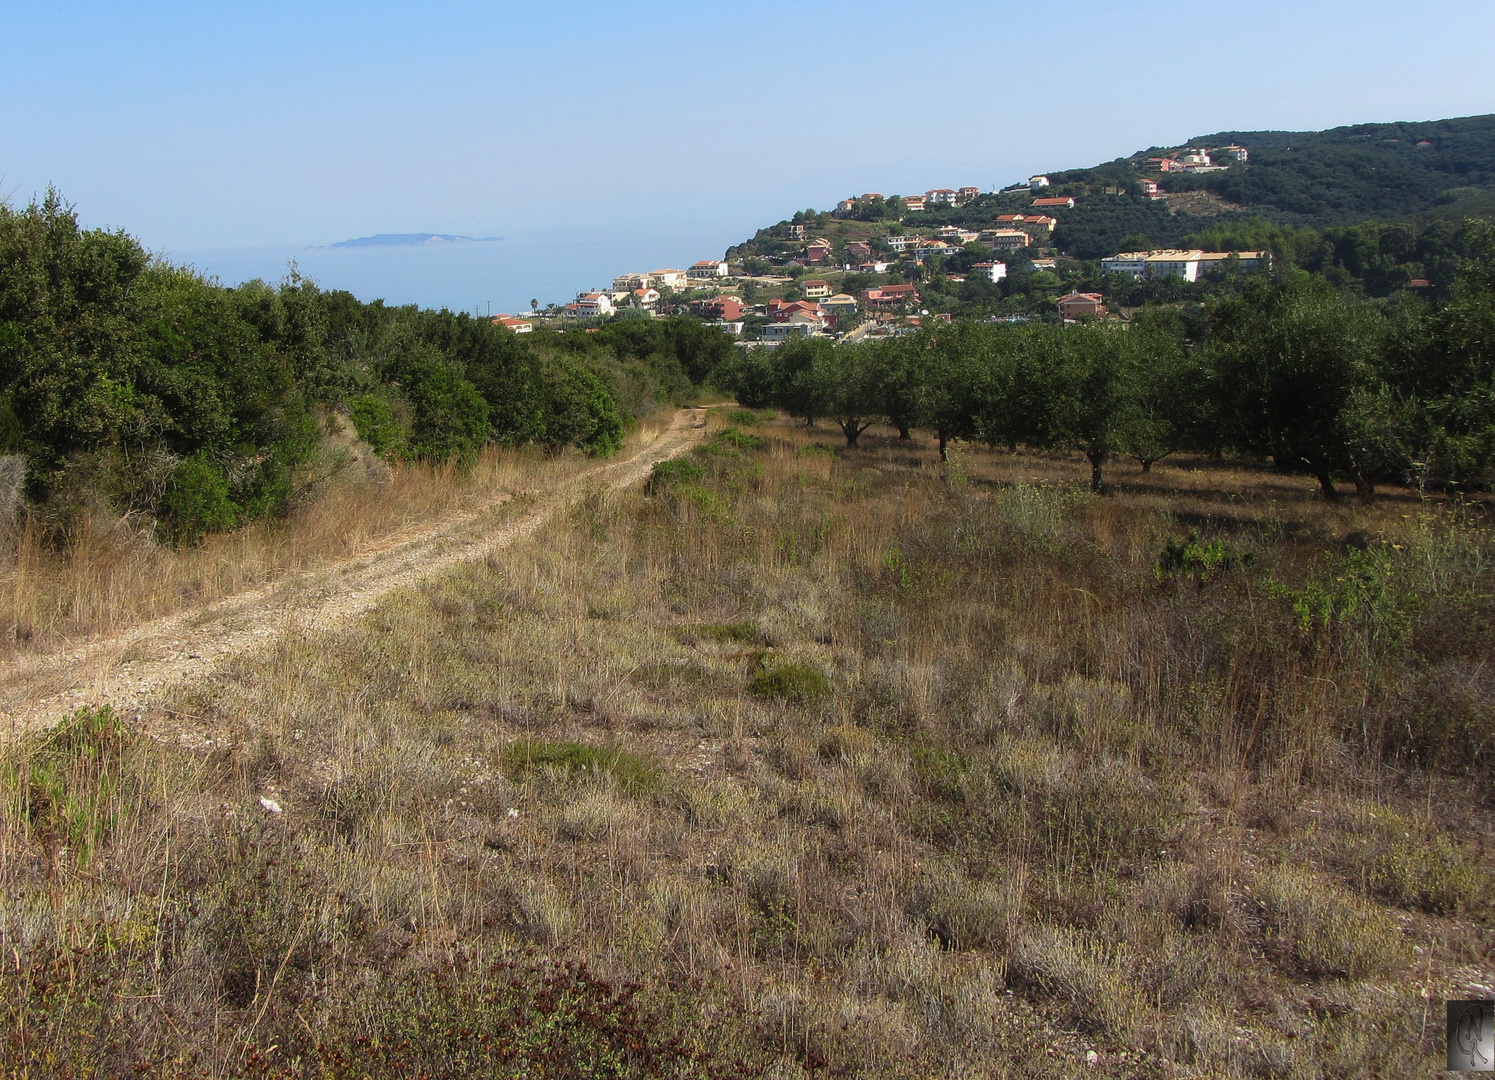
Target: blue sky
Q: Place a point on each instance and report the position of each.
(200, 125)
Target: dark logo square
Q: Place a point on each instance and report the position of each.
(1471, 1036)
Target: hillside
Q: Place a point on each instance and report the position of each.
(1394, 172)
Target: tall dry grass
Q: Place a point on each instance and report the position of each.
(112, 572)
(853, 764)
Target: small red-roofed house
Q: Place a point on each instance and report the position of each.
(1077, 304)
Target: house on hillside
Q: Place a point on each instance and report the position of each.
(794, 232)
(727, 309)
(955, 234)
(1057, 203)
(889, 296)
(647, 298)
(996, 271)
(966, 194)
(900, 243)
(518, 326)
(815, 288)
(1036, 182)
(1172, 262)
(839, 306)
(626, 283)
(708, 268)
(940, 196)
(592, 305)
(1149, 188)
(913, 203)
(1006, 239)
(778, 333)
(858, 248)
(784, 310)
(678, 280)
(1077, 304)
(873, 267)
(1240, 153)
(818, 250)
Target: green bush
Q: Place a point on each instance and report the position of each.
(793, 682)
(668, 475)
(579, 411)
(744, 418)
(451, 417)
(375, 420)
(196, 502)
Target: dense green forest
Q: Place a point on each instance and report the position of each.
(1289, 367)
(127, 380)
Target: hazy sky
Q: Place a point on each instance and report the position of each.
(197, 125)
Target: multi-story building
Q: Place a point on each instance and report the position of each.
(1175, 262)
(670, 279)
(709, 268)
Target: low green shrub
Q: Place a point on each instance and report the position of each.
(632, 773)
(1198, 559)
(1320, 930)
(744, 417)
(667, 475)
(792, 682)
(739, 440)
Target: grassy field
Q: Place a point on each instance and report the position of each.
(804, 762)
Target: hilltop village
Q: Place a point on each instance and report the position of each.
(880, 265)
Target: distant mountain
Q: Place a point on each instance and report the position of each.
(419, 239)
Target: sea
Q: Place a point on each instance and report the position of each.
(482, 277)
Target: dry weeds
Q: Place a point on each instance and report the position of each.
(856, 766)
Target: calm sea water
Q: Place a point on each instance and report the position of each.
(497, 276)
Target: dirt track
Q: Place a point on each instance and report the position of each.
(132, 669)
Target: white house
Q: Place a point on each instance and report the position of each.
(940, 196)
(1143, 265)
(594, 304)
(1036, 182)
(795, 327)
(678, 280)
(898, 243)
(708, 268)
(1240, 153)
(994, 270)
(626, 283)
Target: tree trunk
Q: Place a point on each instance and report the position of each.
(904, 435)
(1326, 482)
(1096, 460)
(852, 432)
(1365, 485)
(944, 438)
(1147, 465)
(1012, 446)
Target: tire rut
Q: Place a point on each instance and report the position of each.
(132, 670)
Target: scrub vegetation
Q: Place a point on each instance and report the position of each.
(805, 762)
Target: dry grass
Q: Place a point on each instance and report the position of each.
(855, 766)
(112, 573)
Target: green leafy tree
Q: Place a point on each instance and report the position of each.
(1289, 359)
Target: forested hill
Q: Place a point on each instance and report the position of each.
(1388, 172)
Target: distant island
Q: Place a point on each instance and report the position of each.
(412, 240)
